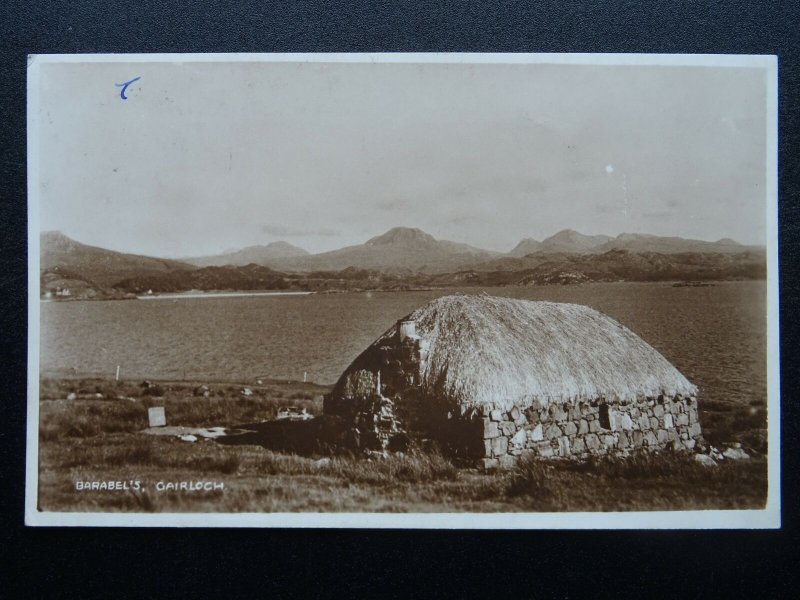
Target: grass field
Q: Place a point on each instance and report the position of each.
(96, 436)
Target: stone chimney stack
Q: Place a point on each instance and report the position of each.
(406, 328)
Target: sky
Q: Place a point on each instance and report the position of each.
(204, 157)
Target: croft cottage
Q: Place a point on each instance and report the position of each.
(491, 379)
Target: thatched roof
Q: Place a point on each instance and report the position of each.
(502, 351)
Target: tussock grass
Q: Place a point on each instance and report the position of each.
(116, 452)
(410, 468)
(93, 439)
(123, 407)
(642, 481)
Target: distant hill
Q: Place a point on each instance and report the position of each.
(399, 249)
(567, 240)
(638, 242)
(265, 255)
(96, 266)
(570, 241)
(526, 246)
(615, 265)
(249, 277)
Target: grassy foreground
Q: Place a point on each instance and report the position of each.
(97, 438)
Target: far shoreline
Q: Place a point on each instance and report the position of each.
(213, 294)
(455, 288)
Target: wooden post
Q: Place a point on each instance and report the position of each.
(117, 376)
(305, 376)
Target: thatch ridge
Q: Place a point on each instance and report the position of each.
(502, 351)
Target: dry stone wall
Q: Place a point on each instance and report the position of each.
(577, 430)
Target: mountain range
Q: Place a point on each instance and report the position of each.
(403, 249)
(397, 256)
(570, 241)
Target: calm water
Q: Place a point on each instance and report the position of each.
(715, 335)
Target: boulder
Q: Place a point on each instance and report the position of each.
(553, 432)
(507, 428)
(735, 454)
(623, 439)
(545, 450)
(499, 446)
(624, 421)
(519, 438)
(536, 434)
(705, 460)
(532, 416)
(557, 413)
(638, 439)
(490, 429)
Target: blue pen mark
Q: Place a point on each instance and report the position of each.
(124, 87)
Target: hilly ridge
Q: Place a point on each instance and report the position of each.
(95, 265)
(399, 249)
(401, 258)
(570, 241)
(260, 255)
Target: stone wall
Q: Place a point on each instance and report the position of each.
(498, 438)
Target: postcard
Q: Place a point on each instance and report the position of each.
(495, 291)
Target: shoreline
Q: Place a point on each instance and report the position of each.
(456, 288)
(210, 294)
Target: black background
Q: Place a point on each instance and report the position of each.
(272, 563)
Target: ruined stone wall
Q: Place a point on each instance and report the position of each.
(498, 438)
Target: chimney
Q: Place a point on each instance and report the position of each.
(406, 328)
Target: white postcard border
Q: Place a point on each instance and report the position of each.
(768, 518)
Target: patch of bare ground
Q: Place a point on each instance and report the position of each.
(91, 438)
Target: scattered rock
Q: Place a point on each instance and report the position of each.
(705, 460)
(735, 454)
(322, 462)
(202, 390)
(247, 392)
(72, 396)
(188, 437)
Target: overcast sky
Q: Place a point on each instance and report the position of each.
(204, 157)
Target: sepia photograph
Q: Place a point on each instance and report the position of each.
(403, 290)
